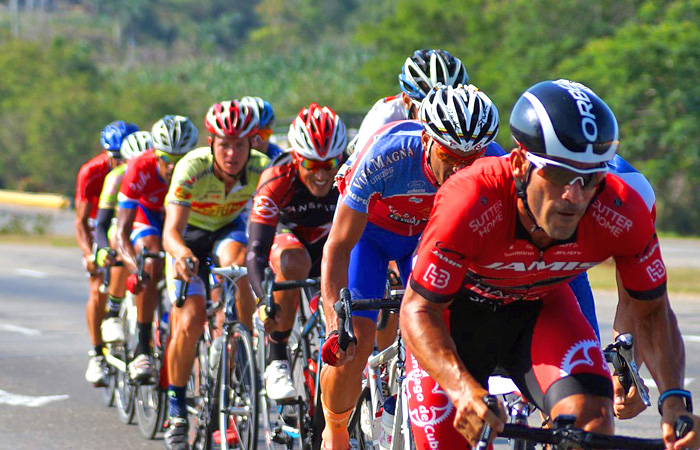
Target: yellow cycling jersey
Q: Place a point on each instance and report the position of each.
(194, 185)
(110, 188)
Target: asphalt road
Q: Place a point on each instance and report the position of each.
(46, 403)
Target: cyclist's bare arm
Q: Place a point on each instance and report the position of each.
(348, 226)
(429, 340)
(176, 217)
(627, 404)
(82, 232)
(125, 222)
(660, 344)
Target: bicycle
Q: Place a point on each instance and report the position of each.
(620, 354)
(381, 390)
(222, 391)
(294, 423)
(152, 399)
(563, 435)
(119, 354)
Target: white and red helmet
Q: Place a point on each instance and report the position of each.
(317, 133)
(232, 118)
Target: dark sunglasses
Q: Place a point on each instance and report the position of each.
(167, 158)
(450, 158)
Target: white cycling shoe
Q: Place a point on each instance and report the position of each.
(278, 381)
(96, 372)
(112, 330)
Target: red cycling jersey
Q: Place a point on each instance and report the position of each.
(282, 197)
(142, 185)
(91, 176)
(475, 242)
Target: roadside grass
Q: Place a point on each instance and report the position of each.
(681, 280)
(38, 239)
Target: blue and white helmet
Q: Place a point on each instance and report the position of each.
(426, 68)
(113, 134)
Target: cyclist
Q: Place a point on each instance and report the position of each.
(89, 186)
(387, 190)
(292, 213)
(105, 234)
(267, 122)
(419, 74)
(504, 237)
(204, 217)
(140, 225)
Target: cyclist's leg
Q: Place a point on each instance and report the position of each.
(231, 249)
(568, 371)
(112, 328)
(95, 312)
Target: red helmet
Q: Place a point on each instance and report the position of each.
(317, 133)
(232, 118)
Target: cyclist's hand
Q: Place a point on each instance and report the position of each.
(133, 285)
(674, 408)
(104, 257)
(91, 265)
(186, 267)
(332, 354)
(472, 412)
(627, 404)
(271, 323)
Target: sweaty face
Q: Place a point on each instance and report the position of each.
(231, 153)
(557, 209)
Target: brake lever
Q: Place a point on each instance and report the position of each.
(625, 351)
(343, 308)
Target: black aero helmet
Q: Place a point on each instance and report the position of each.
(565, 119)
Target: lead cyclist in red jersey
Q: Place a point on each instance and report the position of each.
(489, 286)
(87, 192)
(292, 213)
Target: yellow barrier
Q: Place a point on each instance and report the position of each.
(34, 199)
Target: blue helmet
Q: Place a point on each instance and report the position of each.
(113, 135)
(265, 111)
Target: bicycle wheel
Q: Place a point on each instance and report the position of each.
(108, 391)
(125, 392)
(238, 391)
(304, 376)
(201, 401)
(151, 399)
(363, 428)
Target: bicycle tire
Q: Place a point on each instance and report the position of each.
(151, 399)
(304, 380)
(108, 390)
(361, 422)
(201, 401)
(125, 392)
(238, 388)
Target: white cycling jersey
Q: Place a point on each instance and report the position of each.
(386, 110)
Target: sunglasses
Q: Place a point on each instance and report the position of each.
(167, 158)
(450, 158)
(265, 133)
(561, 174)
(314, 165)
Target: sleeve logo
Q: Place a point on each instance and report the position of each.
(265, 207)
(438, 278)
(656, 270)
(182, 194)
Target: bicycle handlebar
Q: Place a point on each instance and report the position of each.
(182, 295)
(563, 434)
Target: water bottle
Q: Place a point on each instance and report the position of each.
(387, 423)
(215, 355)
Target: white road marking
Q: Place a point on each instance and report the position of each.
(691, 338)
(30, 273)
(8, 398)
(18, 329)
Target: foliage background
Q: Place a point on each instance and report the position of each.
(68, 67)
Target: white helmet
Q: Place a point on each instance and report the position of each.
(317, 133)
(426, 68)
(462, 118)
(135, 144)
(175, 135)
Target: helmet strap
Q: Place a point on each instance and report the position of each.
(521, 191)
